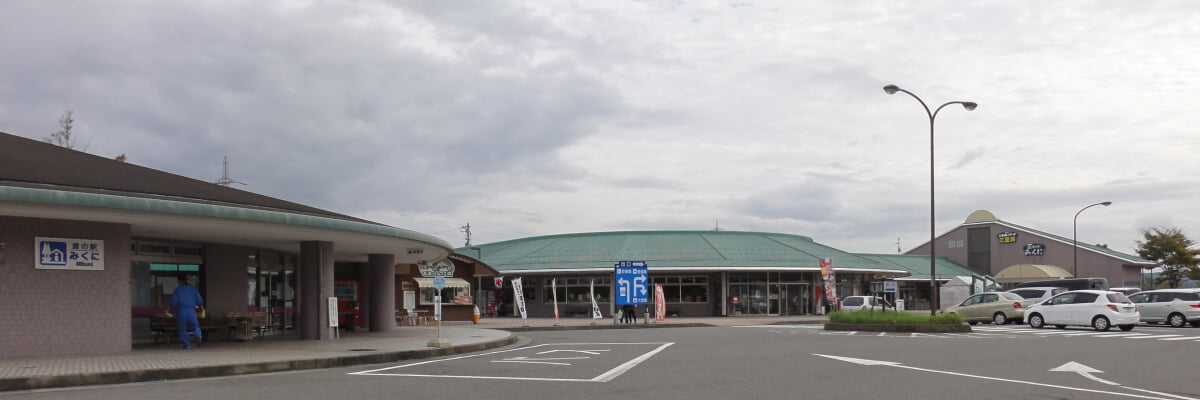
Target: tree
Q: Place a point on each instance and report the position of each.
(64, 137)
(1171, 249)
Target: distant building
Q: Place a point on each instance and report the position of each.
(987, 245)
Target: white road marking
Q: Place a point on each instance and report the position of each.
(621, 369)
(1154, 337)
(898, 365)
(1083, 370)
(1161, 393)
(605, 377)
(1052, 333)
(1085, 334)
(1124, 334)
(1182, 338)
(592, 352)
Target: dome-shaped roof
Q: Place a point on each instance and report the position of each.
(981, 216)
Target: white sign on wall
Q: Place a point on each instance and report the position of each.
(73, 254)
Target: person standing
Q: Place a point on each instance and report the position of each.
(184, 300)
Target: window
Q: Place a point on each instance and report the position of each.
(955, 244)
(457, 291)
(1067, 298)
(1085, 298)
(683, 289)
(1011, 296)
(990, 298)
(1028, 294)
(578, 290)
(1117, 298)
(1139, 298)
(1188, 296)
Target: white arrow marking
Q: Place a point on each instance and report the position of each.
(592, 352)
(1084, 370)
(898, 365)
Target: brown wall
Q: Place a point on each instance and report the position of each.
(56, 312)
(226, 284)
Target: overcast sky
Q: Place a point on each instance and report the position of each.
(543, 117)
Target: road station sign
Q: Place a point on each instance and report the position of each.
(439, 282)
(889, 286)
(633, 283)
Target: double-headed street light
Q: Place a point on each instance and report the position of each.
(1075, 238)
(933, 287)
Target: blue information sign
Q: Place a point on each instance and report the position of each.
(633, 283)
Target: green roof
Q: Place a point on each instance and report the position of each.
(918, 265)
(721, 250)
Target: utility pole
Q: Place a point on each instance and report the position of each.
(467, 229)
(225, 179)
(897, 245)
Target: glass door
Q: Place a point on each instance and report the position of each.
(775, 299)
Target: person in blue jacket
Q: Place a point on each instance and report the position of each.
(184, 300)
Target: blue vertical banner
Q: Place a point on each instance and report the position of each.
(633, 283)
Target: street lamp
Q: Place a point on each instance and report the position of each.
(1075, 238)
(933, 289)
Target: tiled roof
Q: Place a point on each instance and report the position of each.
(918, 265)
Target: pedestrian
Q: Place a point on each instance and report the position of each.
(627, 314)
(184, 300)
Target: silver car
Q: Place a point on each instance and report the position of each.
(1177, 307)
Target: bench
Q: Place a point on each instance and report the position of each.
(255, 321)
(163, 325)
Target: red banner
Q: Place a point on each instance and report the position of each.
(827, 276)
(660, 304)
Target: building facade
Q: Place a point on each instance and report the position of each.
(987, 245)
(90, 248)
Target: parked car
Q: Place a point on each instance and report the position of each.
(1125, 290)
(1177, 307)
(998, 307)
(1100, 309)
(859, 303)
(1037, 294)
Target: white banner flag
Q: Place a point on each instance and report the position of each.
(554, 294)
(519, 296)
(595, 307)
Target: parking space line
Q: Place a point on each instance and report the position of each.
(1182, 338)
(1124, 334)
(1052, 333)
(1085, 334)
(1153, 337)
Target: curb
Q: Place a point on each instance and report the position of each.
(110, 378)
(919, 328)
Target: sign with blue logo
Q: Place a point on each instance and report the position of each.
(75, 254)
(439, 282)
(633, 283)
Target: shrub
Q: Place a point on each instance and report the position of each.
(891, 317)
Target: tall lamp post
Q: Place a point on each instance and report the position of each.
(933, 286)
(1075, 238)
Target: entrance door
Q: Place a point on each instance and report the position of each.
(775, 299)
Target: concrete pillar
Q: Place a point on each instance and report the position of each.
(382, 282)
(316, 285)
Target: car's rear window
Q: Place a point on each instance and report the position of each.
(1117, 298)
(1013, 296)
(853, 301)
(1028, 294)
(1084, 298)
(1188, 296)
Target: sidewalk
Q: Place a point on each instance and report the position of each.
(274, 354)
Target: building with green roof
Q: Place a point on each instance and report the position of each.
(703, 273)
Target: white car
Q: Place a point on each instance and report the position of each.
(1099, 309)
(1177, 307)
(859, 303)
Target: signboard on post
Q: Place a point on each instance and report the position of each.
(889, 286)
(333, 312)
(632, 278)
(595, 307)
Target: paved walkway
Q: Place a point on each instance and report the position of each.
(273, 354)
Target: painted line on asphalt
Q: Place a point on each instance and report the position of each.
(1085, 334)
(1052, 333)
(621, 369)
(899, 365)
(1124, 334)
(1153, 337)
(1182, 338)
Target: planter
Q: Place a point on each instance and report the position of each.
(919, 328)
